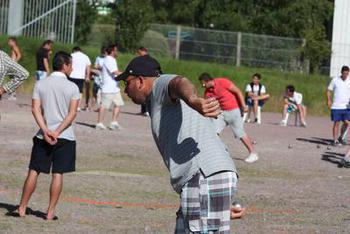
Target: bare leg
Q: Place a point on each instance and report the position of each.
(344, 127)
(55, 191)
(302, 110)
(28, 189)
(116, 111)
(335, 130)
(255, 108)
(248, 143)
(101, 115)
(87, 94)
(284, 113)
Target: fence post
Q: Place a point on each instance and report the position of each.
(238, 49)
(178, 41)
(73, 21)
(15, 17)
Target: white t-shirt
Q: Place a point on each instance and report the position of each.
(341, 93)
(296, 99)
(80, 62)
(255, 89)
(109, 84)
(98, 63)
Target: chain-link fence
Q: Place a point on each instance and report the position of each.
(49, 19)
(240, 49)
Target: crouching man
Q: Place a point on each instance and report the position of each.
(201, 169)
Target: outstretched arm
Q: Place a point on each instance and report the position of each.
(182, 88)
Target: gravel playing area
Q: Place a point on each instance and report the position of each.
(122, 186)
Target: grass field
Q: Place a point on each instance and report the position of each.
(311, 86)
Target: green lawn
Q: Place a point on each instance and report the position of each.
(311, 86)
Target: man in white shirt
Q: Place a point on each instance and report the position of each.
(293, 101)
(111, 97)
(340, 109)
(81, 70)
(256, 97)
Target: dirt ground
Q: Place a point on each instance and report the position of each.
(122, 186)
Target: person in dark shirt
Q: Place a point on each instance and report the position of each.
(42, 60)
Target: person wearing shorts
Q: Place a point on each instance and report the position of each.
(231, 102)
(54, 104)
(256, 98)
(293, 101)
(96, 88)
(340, 107)
(111, 98)
(201, 169)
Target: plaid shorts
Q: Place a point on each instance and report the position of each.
(205, 204)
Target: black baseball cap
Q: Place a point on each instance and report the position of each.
(141, 66)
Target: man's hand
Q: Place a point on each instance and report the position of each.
(207, 107)
(237, 213)
(245, 109)
(50, 137)
(2, 91)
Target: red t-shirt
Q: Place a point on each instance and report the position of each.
(221, 92)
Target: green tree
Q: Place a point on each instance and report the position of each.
(132, 21)
(86, 14)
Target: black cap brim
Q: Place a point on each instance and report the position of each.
(122, 76)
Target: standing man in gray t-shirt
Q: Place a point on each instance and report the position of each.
(201, 169)
(54, 107)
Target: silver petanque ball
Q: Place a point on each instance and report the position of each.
(290, 146)
(237, 205)
(254, 142)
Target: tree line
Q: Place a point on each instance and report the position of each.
(308, 19)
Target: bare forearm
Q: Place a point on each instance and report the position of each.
(40, 119)
(329, 95)
(66, 122)
(46, 64)
(240, 98)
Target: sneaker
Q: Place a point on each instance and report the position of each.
(346, 162)
(342, 141)
(251, 158)
(304, 125)
(114, 126)
(283, 123)
(145, 114)
(100, 126)
(257, 121)
(337, 143)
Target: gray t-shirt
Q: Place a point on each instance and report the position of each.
(186, 140)
(55, 93)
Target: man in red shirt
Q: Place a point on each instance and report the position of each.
(231, 102)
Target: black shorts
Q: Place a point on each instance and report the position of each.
(60, 156)
(79, 83)
(95, 89)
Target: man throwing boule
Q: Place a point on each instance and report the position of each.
(201, 169)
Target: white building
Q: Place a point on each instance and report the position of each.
(341, 37)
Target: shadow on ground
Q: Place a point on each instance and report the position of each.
(334, 158)
(316, 140)
(11, 211)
